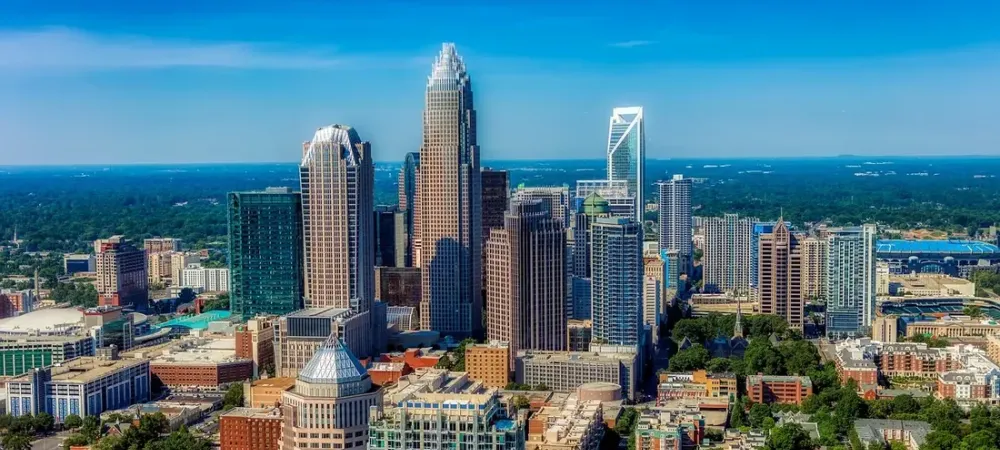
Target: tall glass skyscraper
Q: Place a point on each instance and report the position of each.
(450, 203)
(409, 175)
(675, 220)
(265, 252)
(850, 281)
(617, 281)
(627, 153)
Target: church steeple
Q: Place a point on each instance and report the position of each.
(738, 327)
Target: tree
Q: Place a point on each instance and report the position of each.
(983, 439)
(799, 356)
(768, 423)
(696, 330)
(717, 365)
(91, 428)
(110, 442)
(940, 440)
(850, 405)
(180, 440)
(521, 402)
(43, 422)
(541, 387)
(973, 311)
(444, 363)
(75, 440)
(789, 436)
(16, 441)
(905, 404)
(233, 397)
(737, 417)
(694, 357)
(761, 357)
(73, 421)
(759, 412)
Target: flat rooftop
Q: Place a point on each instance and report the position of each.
(49, 320)
(254, 413)
(207, 351)
(85, 369)
(279, 382)
(942, 246)
(550, 357)
(330, 312)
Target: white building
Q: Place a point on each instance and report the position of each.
(627, 153)
(675, 219)
(850, 281)
(209, 280)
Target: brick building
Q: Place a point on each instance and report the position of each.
(488, 363)
(250, 429)
(778, 389)
(255, 341)
(266, 393)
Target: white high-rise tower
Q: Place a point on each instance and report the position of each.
(627, 152)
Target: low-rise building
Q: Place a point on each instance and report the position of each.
(575, 425)
(930, 285)
(206, 279)
(267, 392)
(489, 363)
(250, 429)
(439, 381)
(886, 329)
(778, 389)
(911, 433)
(85, 386)
(566, 371)
(385, 373)
(255, 341)
(698, 384)
(669, 430)
(196, 363)
(954, 326)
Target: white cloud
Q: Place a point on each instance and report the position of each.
(70, 49)
(630, 44)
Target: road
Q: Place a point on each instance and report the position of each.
(53, 442)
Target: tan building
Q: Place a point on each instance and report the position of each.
(780, 275)
(814, 254)
(993, 348)
(178, 262)
(121, 273)
(266, 393)
(882, 278)
(300, 333)
(450, 203)
(886, 329)
(255, 341)
(489, 363)
(954, 326)
(525, 287)
(575, 425)
(932, 285)
(158, 265)
(329, 406)
(160, 245)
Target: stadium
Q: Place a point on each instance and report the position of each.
(939, 306)
(949, 257)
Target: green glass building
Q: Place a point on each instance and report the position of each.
(20, 354)
(265, 252)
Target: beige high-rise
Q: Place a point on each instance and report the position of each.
(780, 277)
(337, 180)
(526, 280)
(814, 251)
(450, 203)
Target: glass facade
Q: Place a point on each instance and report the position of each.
(265, 252)
(850, 286)
(616, 277)
(626, 152)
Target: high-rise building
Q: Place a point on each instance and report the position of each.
(409, 175)
(850, 283)
(496, 193)
(526, 280)
(416, 421)
(627, 153)
(121, 273)
(651, 300)
(389, 236)
(616, 277)
(614, 192)
(265, 252)
(159, 245)
(329, 405)
(555, 201)
(726, 260)
(178, 262)
(206, 279)
(450, 203)
(299, 334)
(759, 228)
(592, 207)
(814, 255)
(675, 219)
(780, 275)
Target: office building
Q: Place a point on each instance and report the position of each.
(886, 329)
(121, 273)
(627, 153)
(265, 252)
(255, 341)
(567, 371)
(409, 177)
(85, 386)
(195, 363)
(525, 288)
(778, 389)
(814, 256)
(726, 260)
(330, 403)
(390, 236)
(206, 279)
(780, 276)
(398, 286)
(158, 268)
(555, 201)
(489, 363)
(580, 271)
(250, 429)
(496, 194)
(478, 421)
(616, 277)
(759, 228)
(580, 333)
(159, 245)
(402, 318)
(675, 219)
(76, 263)
(850, 281)
(614, 192)
(297, 336)
(651, 301)
(21, 354)
(450, 203)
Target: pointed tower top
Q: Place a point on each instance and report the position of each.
(738, 327)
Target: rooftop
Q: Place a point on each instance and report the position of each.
(330, 312)
(198, 322)
(191, 351)
(778, 379)
(255, 413)
(333, 363)
(43, 321)
(85, 369)
(873, 429)
(960, 247)
(279, 382)
(555, 357)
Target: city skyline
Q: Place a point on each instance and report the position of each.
(172, 77)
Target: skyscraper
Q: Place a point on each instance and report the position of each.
(675, 219)
(389, 236)
(627, 152)
(780, 275)
(337, 179)
(526, 280)
(814, 255)
(409, 176)
(850, 282)
(121, 273)
(450, 203)
(555, 200)
(617, 281)
(726, 262)
(592, 207)
(496, 190)
(614, 192)
(759, 228)
(265, 252)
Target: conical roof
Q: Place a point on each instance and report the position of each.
(595, 205)
(333, 363)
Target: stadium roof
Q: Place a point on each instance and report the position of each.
(957, 247)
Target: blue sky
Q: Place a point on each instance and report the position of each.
(220, 81)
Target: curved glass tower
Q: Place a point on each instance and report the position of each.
(450, 203)
(627, 152)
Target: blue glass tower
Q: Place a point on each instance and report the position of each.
(616, 277)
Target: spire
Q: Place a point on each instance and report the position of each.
(738, 327)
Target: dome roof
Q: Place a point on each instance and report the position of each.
(595, 205)
(333, 363)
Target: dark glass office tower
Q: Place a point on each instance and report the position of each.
(265, 252)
